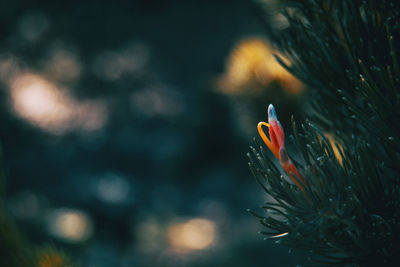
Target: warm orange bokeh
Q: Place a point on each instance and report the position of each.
(252, 65)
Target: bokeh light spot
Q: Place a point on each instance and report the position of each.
(111, 65)
(156, 102)
(38, 101)
(33, 24)
(113, 188)
(43, 104)
(195, 234)
(70, 226)
(63, 65)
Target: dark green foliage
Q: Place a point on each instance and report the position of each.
(346, 52)
(14, 250)
(345, 214)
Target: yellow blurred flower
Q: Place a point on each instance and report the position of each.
(252, 66)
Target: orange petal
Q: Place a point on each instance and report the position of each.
(271, 146)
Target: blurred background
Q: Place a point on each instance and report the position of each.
(124, 128)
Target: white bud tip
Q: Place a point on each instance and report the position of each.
(271, 112)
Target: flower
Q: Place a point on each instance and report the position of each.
(277, 145)
(252, 68)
